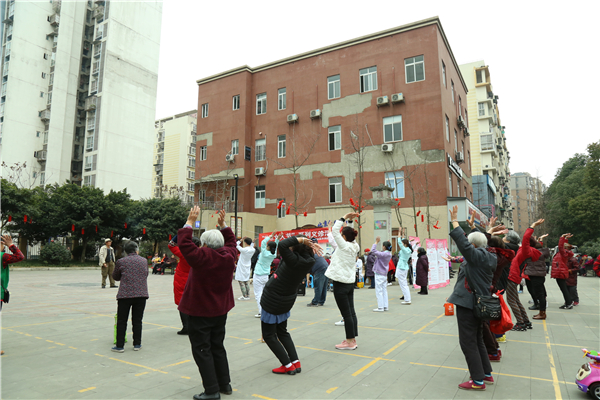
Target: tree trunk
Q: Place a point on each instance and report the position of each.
(23, 246)
(84, 245)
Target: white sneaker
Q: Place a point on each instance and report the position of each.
(407, 303)
(257, 316)
(378, 310)
(340, 323)
(390, 284)
(241, 298)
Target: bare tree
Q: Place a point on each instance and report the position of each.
(20, 175)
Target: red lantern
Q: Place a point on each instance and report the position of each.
(418, 213)
(422, 218)
(360, 227)
(82, 231)
(25, 218)
(287, 212)
(72, 227)
(96, 228)
(10, 218)
(125, 225)
(144, 231)
(305, 213)
(170, 237)
(111, 233)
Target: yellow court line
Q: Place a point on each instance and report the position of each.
(134, 364)
(312, 323)
(179, 363)
(186, 377)
(557, 393)
(363, 369)
(429, 323)
(344, 353)
(394, 348)
(552, 344)
(85, 390)
(142, 373)
(262, 397)
(328, 391)
(241, 338)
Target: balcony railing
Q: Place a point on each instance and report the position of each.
(94, 87)
(98, 50)
(45, 115)
(5, 70)
(90, 103)
(228, 206)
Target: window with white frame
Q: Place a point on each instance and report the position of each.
(335, 137)
(259, 197)
(452, 86)
(457, 188)
(480, 74)
(191, 174)
(450, 182)
(281, 210)
(192, 161)
(204, 110)
(260, 150)
(481, 109)
(235, 147)
(392, 129)
(232, 193)
(459, 106)
(333, 87)
(201, 196)
(368, 79)
(395, 180)
(89, 180)
(455, 141)
(88, 162)
(444, 74)
(203, 153)
(281, 146)
(415, 69)
(281, 94)
(42, 178)
(261, 103)
(190, 187)
(335, 190)
(447, 129)
(236, 102)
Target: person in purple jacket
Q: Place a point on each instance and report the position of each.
(380, 268)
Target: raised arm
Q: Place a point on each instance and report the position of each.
(288, 255)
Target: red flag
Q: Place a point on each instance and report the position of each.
(422, 218)
(144, 231)
(9, 218)
(72, 227)
(25, 218)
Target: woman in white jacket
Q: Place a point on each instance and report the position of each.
(342, 272)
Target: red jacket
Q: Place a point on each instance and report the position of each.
(573, 265)
(525, 252)
(597, 266)
(181, 274)
(208, 292)
(392, 267)
(560, 267)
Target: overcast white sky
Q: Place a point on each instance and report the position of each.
(543, 56)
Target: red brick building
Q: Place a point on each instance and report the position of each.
(400, 87)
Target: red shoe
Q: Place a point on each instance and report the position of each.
(283, 370)
(297, 366)
(495, 358)
(500, 352)
(470, 385)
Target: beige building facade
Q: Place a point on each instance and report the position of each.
(527, 193)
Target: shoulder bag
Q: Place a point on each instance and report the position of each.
(485, 307)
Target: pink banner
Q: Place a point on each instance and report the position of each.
(439, 275)
(319, 233)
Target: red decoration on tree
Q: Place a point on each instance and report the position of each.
(399, 204)
(297, 214)
(360, 227)
(422, 218)
(125, 225)
(396, 199)
(10, 218)
(418, 213)
(287, 212)
(144, 231)
(305, 213)
(352, 201)
(170, 237)
(111, 233)
(415, 225)
(25, 218)
(72, 227)
(279, 204)
(82, 231)
(96, 228)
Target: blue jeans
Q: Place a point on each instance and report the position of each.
(320, 285)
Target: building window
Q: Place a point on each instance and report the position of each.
(450, 182)
(480, 75)
(452, 85)
(261, 103)
(43, 75)
(335, 190)
(395, 180)
(468, 160)
(447, 129)
(444, 74)
(37, 134)
(281, 210)
(415, 69)
(201, 196)
(204, 110)
(459, 106)
(233, 193)
(191, 174)
(46, 56)
(260, 150)
(202, 153)
(335, 137)
(481, 108)
(41, 94)
(281, 146)
(392, 129)
(457, 188)
(235, 147)
(281, 99)
(368, 79)
(236, 102)
(462, 148)
(192, 160)
(333, 87)
(190, 186)
(455, 141)
(259, 197)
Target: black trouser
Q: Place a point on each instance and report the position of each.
(206, 337)
(185, 321)
(538, 291)
(470, 338)
(423, 290)
(344, 298)
(410, 274)
(530, 289)
(371, 278)
(562, 284)
(573, 293)
(137, 305)
(279, 341)
(391, 276)
(489, 339)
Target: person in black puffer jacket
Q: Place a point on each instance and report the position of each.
(279, 296)
(536, 271)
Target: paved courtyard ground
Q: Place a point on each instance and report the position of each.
(57, 333)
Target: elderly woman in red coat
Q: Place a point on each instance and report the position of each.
(181, 276)
(560, 269)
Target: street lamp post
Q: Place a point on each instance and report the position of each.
(235, 204)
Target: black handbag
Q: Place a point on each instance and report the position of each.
(485, 307)
(6, 296)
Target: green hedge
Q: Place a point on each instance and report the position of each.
(54, 253)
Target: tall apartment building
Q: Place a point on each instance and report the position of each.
(397, 96)
(490, 156)
(527, 193)
(175, 156)
(79, 82)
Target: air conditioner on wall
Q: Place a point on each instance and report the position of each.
(460, 157)
(230, 158)
(315, 114)
(382, 101)
(292, 118)
(461, 121)
(397, 98)
(259, 171)
(387, 148)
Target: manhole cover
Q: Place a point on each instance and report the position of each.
(78, 284)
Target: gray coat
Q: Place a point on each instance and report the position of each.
(481, 265)
(538, 268)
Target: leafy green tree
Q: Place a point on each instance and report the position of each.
(161, 218)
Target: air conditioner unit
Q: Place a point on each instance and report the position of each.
(229, 158)
(466, 131)
(261, 170)
(382, 101)
(315, 114)
(292, 118)
(397, 98)
(461, 121)
(460, 157)
(387, 148)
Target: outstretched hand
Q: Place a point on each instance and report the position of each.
(351, 216)
(454, 213)
(471, 220)
(7, 240)
(541, 238)
(538, 222)
(193, 216)
(221, 219)
(316, 248)
(494, 230)
(446, 258)
(500, 231)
